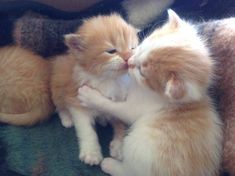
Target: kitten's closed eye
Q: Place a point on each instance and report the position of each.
(111, 51)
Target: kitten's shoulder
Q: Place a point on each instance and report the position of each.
(63, 63)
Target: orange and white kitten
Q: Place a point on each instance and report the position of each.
(24, 87)
(98, 54)
(174, 128)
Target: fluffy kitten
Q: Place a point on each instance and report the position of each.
(221, 40)
(24, 87)
(175, 130)
(98, 54)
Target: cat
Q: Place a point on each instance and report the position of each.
(97, 56)
(174, 129)
(24, 87)
(220, 36)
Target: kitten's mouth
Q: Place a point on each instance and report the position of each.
(123, 67)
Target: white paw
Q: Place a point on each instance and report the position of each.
(115, 149)
(67, 122)
(88, 96)
(91, 157)
(107, 165)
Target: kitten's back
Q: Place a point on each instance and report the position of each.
(24, 87)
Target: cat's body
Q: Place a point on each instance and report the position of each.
(174, 128)
(24, 87)
(221, 40)
(97, 57)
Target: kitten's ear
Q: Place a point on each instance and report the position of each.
(174, 19)
(73, 41)
(175, 88)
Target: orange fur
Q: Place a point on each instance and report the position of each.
(162, 63)
(188, 133)
(94, 37)
(98, 54)
(175, 130)
(24, 87)
(186, 149)
(64, 88)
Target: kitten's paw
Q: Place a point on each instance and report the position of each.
(115, 149)
(89, 97)
(91, 157)
(67, 122)
(107, 165)
(85, 95)
(66, 119)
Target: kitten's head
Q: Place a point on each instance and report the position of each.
(173, 61)
(103, 44)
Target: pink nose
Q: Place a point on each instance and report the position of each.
(126, 55)
(131, 63)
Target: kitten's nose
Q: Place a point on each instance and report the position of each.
(126, 55)
(131, 63)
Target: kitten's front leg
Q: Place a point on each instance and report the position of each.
(90, 151)
(91, 98)
(112, 167)
(116, 145)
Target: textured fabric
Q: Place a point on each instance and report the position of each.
(49, 39)
(69, 5)
(48, 149)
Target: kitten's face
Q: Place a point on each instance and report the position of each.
(103, 45)
(173, 62)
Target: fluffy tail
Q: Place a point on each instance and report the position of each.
(28, 118)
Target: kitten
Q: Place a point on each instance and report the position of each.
(174, 128)
(24, 87)
(98, 54)
(221, 40)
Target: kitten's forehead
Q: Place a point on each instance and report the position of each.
(143, 50)
(168, 37)
(110, 31)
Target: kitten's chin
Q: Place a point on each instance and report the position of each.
(136, 76)
(123, 68)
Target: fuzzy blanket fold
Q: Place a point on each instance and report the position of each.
(48, 149)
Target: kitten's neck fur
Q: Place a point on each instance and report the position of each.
(115, 88)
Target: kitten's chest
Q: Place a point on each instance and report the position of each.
(111, 89)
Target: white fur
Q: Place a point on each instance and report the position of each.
(90, 151)
(112, 86)
(141, 155)
(186, 33)
(194, 91)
